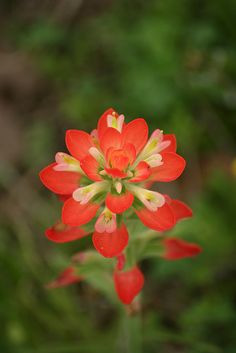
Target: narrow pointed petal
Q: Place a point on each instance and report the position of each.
(160, 220)
(91, 168)
(136, 133)
(102, 122)
(110, 138)
(78, 143)
(75, 214)
(176, 249)
(180, 210)
(141, 172)
(128, 284)
(118, 203)
(111, 244)
(67, 277)
(62, 183)
(172, 167)
(61, 233)
(173, 144)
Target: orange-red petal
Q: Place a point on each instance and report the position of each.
(173, 143)
(60, 182)
(102, 122)
(128, 284)
(136, 133)
(61, 233)
(172, 167)
(111, 244)
(63, 198)
(141, 172)
(110, 138)
(176, 249)
(91, 168)
(75, 214)
(180, 210)
(130, 152)
(78, 143)
(119, 203)
(160, 220)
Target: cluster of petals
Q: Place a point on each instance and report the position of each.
(109, 171)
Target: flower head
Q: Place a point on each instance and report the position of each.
(105, 174)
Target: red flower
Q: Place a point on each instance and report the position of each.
(128, 284)
(67, 277)
(178, 249)
(108, 168)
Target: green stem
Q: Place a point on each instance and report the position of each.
(131, 333)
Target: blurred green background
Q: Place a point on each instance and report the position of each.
(62, 63)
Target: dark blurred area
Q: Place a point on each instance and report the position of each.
(64, 62)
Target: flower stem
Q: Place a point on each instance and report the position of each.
(131, 338)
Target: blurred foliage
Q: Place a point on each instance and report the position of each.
(62, 64)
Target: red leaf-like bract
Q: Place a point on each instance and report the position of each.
(78, 143)
(66, 278)
(119, 203)
(180, 210)
(136, 133)
(75, 214)
(59, 182)
(160, 220)
(91, 168)
(173, 144)
(111, 244)
(172, 167)
(176, 249)
(128, 284)
(61, 233)
(102, 122)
